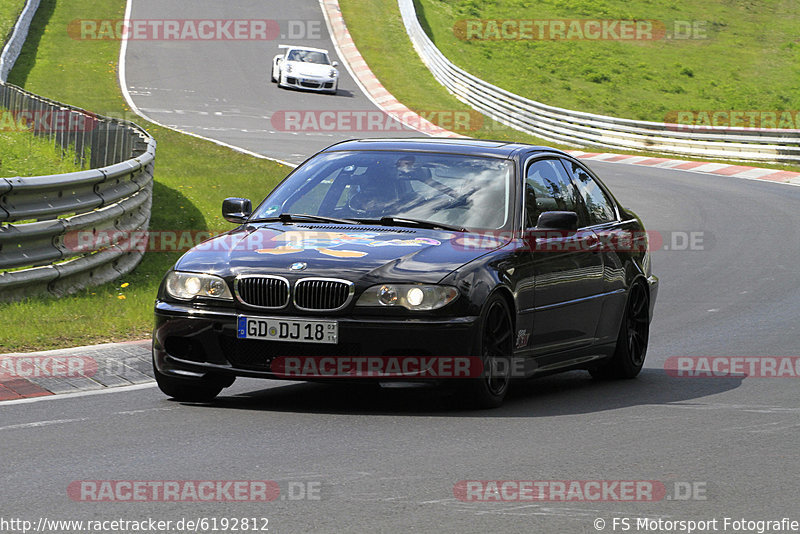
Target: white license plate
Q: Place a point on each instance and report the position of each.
(287, 330)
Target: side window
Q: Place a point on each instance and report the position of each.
(548, 188)
(599, 206)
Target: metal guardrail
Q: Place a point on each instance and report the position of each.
(589, 130)
(16, 41)
(39, 214)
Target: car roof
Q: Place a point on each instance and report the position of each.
(462, 145)
(308, 48)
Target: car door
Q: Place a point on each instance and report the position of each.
(564, 275)
(619, 239)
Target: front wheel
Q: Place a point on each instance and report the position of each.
(495, 349)
(634, 333)
(190, 389)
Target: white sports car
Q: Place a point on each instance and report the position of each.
(305, 68)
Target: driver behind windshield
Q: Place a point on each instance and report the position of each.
(372, 196)
(407, 169)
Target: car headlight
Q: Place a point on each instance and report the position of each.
(409, 296)
(186, 286)
(288, 68)
(333, 73)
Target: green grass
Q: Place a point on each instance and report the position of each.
(192, 178)
(378, 32)
(748, 60)
(24, 154)
(9, 12)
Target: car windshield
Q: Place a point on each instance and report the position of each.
(454, 190)
(309, 56)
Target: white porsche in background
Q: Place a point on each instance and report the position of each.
(305, 68)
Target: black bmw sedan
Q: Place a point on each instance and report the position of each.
(458, 262)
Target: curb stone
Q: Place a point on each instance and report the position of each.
(36, 374)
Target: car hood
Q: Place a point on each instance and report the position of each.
(300, 68)
(353, 253)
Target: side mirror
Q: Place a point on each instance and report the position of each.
(335, 64)
(558, 220)
(236, 210)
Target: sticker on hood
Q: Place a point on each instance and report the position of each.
(329, 243)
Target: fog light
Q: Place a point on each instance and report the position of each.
(387, 295)
(216, 288)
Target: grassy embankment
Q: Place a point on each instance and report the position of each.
(749, 59)
(738, 55)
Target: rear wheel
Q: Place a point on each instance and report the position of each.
(634, 333)
(495, 348)
(191, 389)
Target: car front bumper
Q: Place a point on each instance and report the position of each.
(191, 342)
(309, 83)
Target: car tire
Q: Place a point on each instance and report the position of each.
(634, 334)
(272, 77)
(495, 347)
(190, 389)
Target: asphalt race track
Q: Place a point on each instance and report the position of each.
(221, 89)
(388, 460)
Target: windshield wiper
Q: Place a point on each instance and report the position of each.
(299, 217)
(385, 221)
(417, 223)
